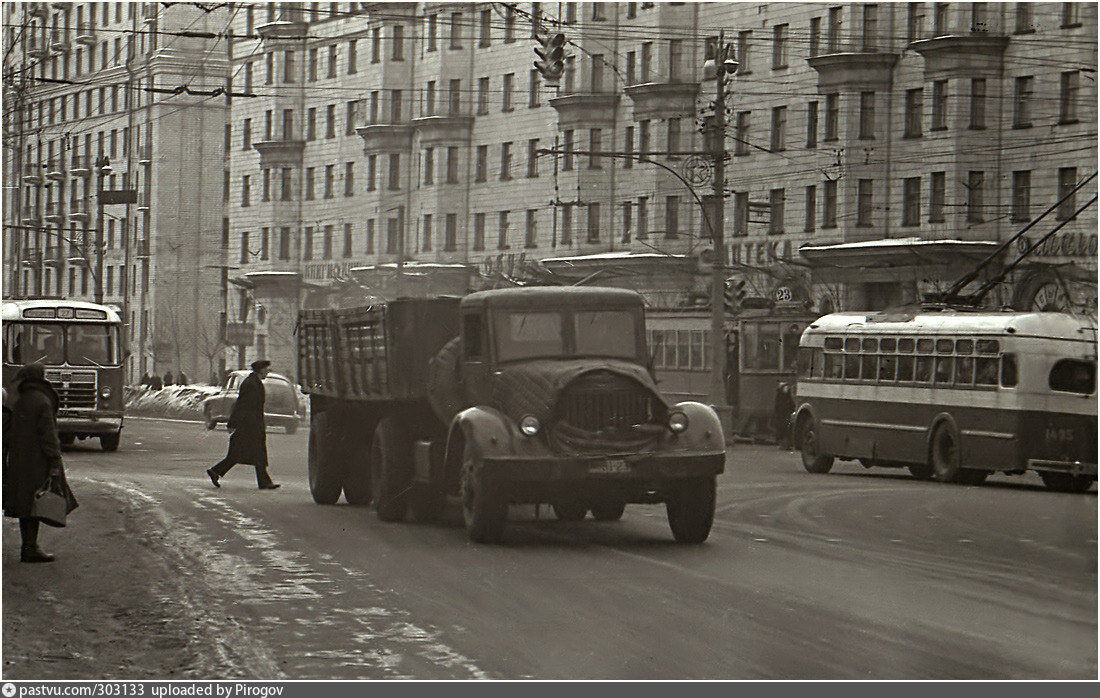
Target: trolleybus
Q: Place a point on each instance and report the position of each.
(951, 395)
(80, 346)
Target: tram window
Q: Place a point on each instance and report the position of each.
(986, 373)
(683, 348)
(1073, 376)
(791, 336)
(964, 370)
(887, 367)
(1009, 373)
(905, 368)
(945, 346)
(964, 346)
(697, 349)
(888, 345)
(945, 366)
(833, 343)
(905, 345)
(851, 367)
(924, 346)
(870, 344)
(924, 369)
(805, 361)
(670, 349)
(763, 353)
(989, 346)
(817, 364)
(851, 344)
(834, 366)
(870, 366)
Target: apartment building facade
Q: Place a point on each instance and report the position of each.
(875, 151)
(119, 96)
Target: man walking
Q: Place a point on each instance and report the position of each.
(248, 434)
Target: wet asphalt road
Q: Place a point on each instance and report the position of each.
(855, 574)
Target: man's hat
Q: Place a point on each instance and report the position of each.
(260, 364)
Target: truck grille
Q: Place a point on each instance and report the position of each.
(605, 402)
(75, 389)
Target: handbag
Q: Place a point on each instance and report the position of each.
(50, 505)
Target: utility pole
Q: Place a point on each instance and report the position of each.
(102, 167)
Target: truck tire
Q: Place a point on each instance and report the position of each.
(326, 477)
(390, 470)
(1065, 482)
(690, 508)
(357, 479)
(109, 442)
(484, 509)
(569, 511)
(608, 511)
(427, 503)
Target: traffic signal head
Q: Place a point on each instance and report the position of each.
(734, 294)
(551, 53)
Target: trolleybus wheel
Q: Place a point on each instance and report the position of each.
(390, 470)
(569, 511)
(943, 454)
(325, 471)
(812, 460)
(690, 509)
(1065, 482)
(484, 510)
(608, 511)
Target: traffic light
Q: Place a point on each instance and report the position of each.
(734, 295)
(551, 53)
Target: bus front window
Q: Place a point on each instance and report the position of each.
(29, 343)
(92, 345)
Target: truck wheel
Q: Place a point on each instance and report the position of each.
(483, 508)
(943, 454)
(569, 511)
(390, 470)
(326, 478)
(812, 459)
(608, 511)
(357, 479)
(109, 442)
(690, 508)
(1065, 482)
(427, 504)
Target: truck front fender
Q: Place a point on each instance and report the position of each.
(704, 432)
(490, 432)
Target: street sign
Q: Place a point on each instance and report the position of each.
(118, 196)
(241, 334)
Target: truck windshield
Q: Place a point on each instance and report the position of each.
(527, 335)
(50, 343)
(606, 333)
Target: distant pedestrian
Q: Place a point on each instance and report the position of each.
(168, 380)
(181, 379)
(248, 433)
(784, 407)
(155, 382)
(34, 456)
(145, 379)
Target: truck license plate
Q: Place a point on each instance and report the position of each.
(611, 466)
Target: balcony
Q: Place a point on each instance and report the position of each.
(586, 110)
(80, 166)
(149, 13)
(854, 71)
(32, 174)
(962, 55)
(78, 210)
(290, 26)
(284, 152)
(144, 154)
(36, 45)
(440, 129)
(143, 200)
(59, 39)
(55, 212)
(85, 33)
(32, 215)
(38, 9)
(386, 137)
(661, 100)
(55, 169)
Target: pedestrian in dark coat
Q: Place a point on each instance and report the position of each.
(181, 379)
(168, 380)
(155, 382)
(784, 406)
(248, 433)
(34, 455)
(145, 379)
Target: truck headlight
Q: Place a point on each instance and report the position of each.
(677, 421)
(529, 425)
(105, 393)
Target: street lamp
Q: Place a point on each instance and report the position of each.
(103, 168)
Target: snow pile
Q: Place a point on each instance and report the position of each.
(176, 401)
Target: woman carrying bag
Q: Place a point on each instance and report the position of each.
(33, 462)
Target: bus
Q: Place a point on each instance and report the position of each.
(951, 395)
(80, 345)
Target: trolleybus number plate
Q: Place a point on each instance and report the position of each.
(611, 466)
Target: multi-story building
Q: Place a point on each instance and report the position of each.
(875, 151)
(120, 96)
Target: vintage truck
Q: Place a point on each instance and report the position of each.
(527, 395)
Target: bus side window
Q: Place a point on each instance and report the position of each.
(986, 373)
(1008, 371)
(905, 368)
(944, 368)
(834, 366)
(887, 367)
(851, 366)
(924, 369)
(870, 365)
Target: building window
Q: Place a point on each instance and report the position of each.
(835, 23)
(779, 126)
(482, 96)
(811, 125)
(330, 176)
(914, 108)
(628, 146)
(369, 247)
(479, 232)
(285, 184)
(307, 243)
(484, 39)
(744, 52)
(347, 239)
(975, 182)
(1021, 113)
(352, 118)
(939, 19)
(376, 46)
(508, 84)
(977, 103)
(398, 42)
(866, 115)
(1070, 16)
(311, 124)
(740, 213)
(327, 242)
(593, 222)
(245, 251)
(779, 46)
(911, 201)
(673, 138)
(427, 233)
(979, 21)
(265, 233)
(1021, 196)
(481, 163)
(532, 158)
(937, 200)
(647, 60)
(395, 106)
(509, 24)
(672, 216)
(452, 164)
(456, 30)
(429, 166)
(642, 229)
(330, 121)
(353, 57)
(450, 232)
(505, 161)
(776, 200)
(815, 36)
(284, 243)
(595, 138)
(394, 183)
(530, 238)
(266, 188)
(568, 75)
(502, 230)
(596, 84)
(429, 99)
(741, 133)
(393, 235)
(1067, 102)
(433, 32)
(332, 49)
(349, 179)
(864, 203)
(372, 171)
(288, 124)
(533, 90)
(811, 209)
(567, 146)
(870, 28)
(1023, 18)
(245, 191)
(246, 135)
(309, 183)
(832, 115)
(628, 209)
(915, 23)
(939, 105)
(1067, 180)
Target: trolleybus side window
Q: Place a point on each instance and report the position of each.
(905, 367)
(944, 368)
(988, 346)
(1073, 376)
(851, 366)
(870, 366)
(964, 370)
(1008, 371)
(923, 373)
(986, 370)
(905, 345)
(887, 366)
(834, 365)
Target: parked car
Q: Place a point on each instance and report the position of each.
(281, 406)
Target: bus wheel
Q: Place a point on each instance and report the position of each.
(569, 511)
(1064, 482)
(921, 471)
(690, 509)
(608, 511)
(944, 454)
(812, 460)
(391, 470)
(109, 442)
